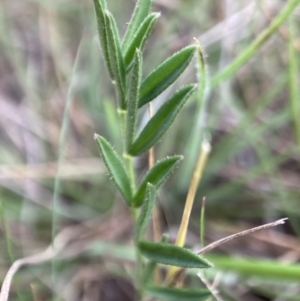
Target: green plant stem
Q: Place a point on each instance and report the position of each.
(252, 48)
(127, 158)
(122, 115)
(135, 216)
(134, 211)
(131, 172)
(138, 257)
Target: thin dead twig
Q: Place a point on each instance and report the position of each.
(243, 233)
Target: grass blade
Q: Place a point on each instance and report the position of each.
(172, 255)
(293, 80)
(254, 46)
(63, 138)
(263, 268)
(165, 74)
(161, 121)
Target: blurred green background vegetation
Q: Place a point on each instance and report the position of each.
(55, 94)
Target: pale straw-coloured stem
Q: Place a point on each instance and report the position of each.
(203, 156)
(205, 150)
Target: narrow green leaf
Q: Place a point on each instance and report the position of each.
(172, 255)
(165, 74)
(161, 121)
(140, 38)
(146, 211)
(132, 98)
(141, 11)
(178, 294)
(115, 167)
(157, 175)
(116, 59)
(100, 7)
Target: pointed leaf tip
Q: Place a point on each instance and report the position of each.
(165, 74)
(161, 121)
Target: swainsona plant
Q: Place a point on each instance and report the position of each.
(123, 60)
